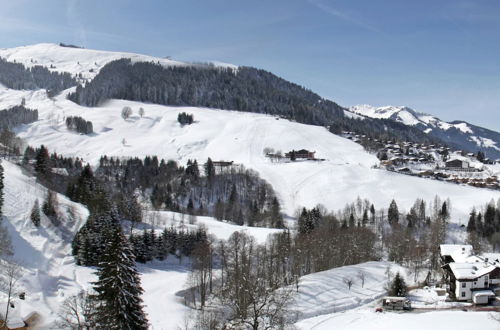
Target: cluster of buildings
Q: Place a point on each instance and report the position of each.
(470, 277)
(293, 155)
(438, 162)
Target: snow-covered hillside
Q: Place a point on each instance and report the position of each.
(49, 271)
(50, 274)
(77, 61)
(241, 137)
(459, 134)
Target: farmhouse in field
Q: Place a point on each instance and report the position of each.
(457, 164)
(221, 166)
(470, 277)
(396, 303)
(301, 154)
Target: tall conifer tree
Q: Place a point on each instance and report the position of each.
(119, 287)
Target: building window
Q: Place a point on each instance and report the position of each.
(464, 284)
(463, 294)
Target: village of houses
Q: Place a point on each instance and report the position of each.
(433, 162)
(426, 161)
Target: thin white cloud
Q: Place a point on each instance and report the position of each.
(75, 22)
(342, 15)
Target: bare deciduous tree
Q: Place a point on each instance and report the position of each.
(362, 277)
(77, 312)
(11, 272)
(250, 292)
(349, 281)
(201, 275)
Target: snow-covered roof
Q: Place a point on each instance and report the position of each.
(15, 320)
(482, 293)
(60, 171)
(394, 298)
(14, 323)
(458, 252)
(470, 271)
(492, 257)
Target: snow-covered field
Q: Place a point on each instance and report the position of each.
(326, 292)
(219, 229)
(241, 137)
(368, 319)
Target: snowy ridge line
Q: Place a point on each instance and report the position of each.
(82, 62)
(458, 134)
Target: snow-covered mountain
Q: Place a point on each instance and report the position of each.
(224, 135)
(241, 137)
(345, 173)
(81, 62)
(459, 134)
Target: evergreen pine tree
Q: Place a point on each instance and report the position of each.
(1, 190)
(306, 223)
(50, 207)
(398, 286)
(209, 170)
(352, 221)
(365, 217)
(118, 287)
(190, 206)
(276, 217)
(489, 220)
(393, 213)
(471, 225)
(90, 242)
(35, 214)
(42, 161)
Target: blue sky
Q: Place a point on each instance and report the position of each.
(440, 57)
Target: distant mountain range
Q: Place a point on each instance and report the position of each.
(458, 134)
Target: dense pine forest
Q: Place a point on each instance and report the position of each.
(79, 125)
(17, 115)
(243, 89)
(17, 76)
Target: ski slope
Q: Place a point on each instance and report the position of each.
(241, 137)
